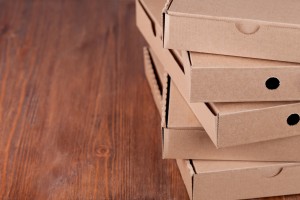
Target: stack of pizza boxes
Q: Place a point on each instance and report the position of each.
(225, 75)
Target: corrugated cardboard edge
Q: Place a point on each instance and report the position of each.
(159, 68)
(164, 99)
(165, 104)
(165, 111)
(187, 173)
(152, 80)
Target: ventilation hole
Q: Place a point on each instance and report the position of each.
(293, 119)
(272, 83)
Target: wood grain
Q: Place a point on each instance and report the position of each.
(77, 120)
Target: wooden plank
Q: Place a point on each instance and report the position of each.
(77, 117)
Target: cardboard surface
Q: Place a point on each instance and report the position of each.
(217, 78)
(216, 180)
(185, 138)
(266, 29)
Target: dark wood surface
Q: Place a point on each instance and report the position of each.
(77, 120)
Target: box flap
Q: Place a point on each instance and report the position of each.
(271, 12)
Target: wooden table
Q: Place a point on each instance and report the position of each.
(77, 120)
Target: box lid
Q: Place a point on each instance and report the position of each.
(216, 180)
(222, 179)
(271, 12)
(263, 29)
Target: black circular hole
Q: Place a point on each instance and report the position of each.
(293, 119)
(272, 83)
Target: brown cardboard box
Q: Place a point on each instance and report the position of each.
(266, 29)
(253, 122)
(232, 124)
(183, 137)
(217, 78)
(227, 180)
